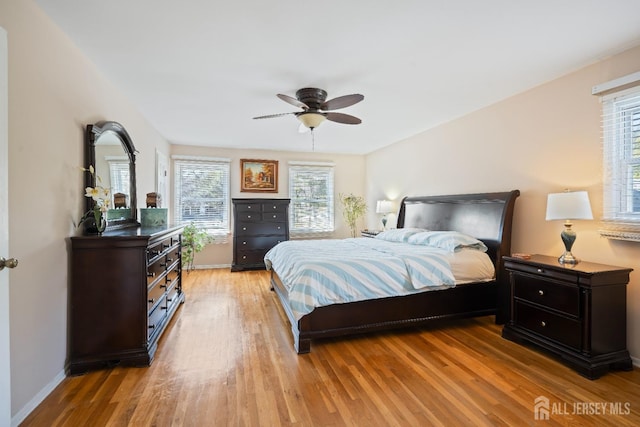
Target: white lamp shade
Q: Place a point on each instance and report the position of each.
(569, 205)
(384, 206)
(311, 120)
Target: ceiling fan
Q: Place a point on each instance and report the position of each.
(316, 109)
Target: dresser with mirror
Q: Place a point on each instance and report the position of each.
(125, 283)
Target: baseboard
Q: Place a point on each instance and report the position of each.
(37, 399)
(207, 267)
(635, 361)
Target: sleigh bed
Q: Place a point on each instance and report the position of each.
(486, 217)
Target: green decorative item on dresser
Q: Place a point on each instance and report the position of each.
(194, 239)
(353, 208)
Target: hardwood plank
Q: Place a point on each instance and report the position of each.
(227, 358)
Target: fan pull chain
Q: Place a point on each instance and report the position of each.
(313, 141)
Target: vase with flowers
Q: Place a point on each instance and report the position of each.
(101, 197)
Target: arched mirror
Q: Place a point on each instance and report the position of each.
(110, 151)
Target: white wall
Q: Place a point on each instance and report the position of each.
(349, 176)
(54, 91)
(541, 141)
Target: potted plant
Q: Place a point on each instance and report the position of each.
(353, 208)
(194, 239)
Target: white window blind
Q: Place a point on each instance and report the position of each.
(311, 193)
(621, 154)
(119, 176)
(202, 194)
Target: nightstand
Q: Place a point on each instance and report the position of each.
(576, 312)
(370, 233)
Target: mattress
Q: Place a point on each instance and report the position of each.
(323, 272)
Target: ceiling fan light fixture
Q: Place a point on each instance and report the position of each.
(311, 120)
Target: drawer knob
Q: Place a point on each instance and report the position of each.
(278, 227)
(248, 206)
(543, 324)
(152, 300)
(152, 326)
(152, 274)
(540, 270)
(275, 216)
(248, 216)
(274, 207)
(244, 243)
(244, 257)
(244, 228)
(540, 292)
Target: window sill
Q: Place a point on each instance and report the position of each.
(620, 231)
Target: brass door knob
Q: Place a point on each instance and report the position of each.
(9, 263)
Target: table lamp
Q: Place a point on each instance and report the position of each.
(384, 207)
(567, 206)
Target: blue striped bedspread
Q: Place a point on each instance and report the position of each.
(317, 273)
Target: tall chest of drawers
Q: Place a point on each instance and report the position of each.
(125, 287)
(259, 225)
(576, 312)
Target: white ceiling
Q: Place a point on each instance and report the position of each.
(199, 70)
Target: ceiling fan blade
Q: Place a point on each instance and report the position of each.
(270, 116)
(343, 118)
(341, 102)
(293, 101)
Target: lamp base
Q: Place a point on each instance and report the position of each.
(568, 258)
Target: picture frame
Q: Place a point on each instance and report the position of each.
(258, 176)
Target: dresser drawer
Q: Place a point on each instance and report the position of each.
(248, 207)
(156, 318)
(172, 296)
(252, 243)
(565, 298)
(260, 228)
(251, 257)
(155, 294)
(553, 326)
(275, 207)
(156, 269)
(275, 216)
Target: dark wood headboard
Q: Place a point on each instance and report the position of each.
(485, 216)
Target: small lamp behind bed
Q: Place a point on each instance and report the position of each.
(567, 206)
(384, 207)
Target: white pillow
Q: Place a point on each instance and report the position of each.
(398, 234)
(451, 241)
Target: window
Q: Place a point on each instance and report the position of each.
(621, 153)
(311, 193)
(119, 175)
(202, 193)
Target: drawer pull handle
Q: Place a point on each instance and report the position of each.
(152, 326)
(166, 245)
(274, 207)
(275, 216)
(152, 300)
(540, 292)
(540, 270)
(244, 243)
(244, 228)
(244, 257)
(169, 299)
(169, 259)
(163, 286)
(248, 216)
(152, 274)
(543, 324)
(248, 206)
(278, 227)
(168, 280)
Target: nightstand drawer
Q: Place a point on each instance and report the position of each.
(565, 298)
(547, 272)
(558, 328)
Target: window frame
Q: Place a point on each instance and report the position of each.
(296, 168)
(621, 137)
(220, 233)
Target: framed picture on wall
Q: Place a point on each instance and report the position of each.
(259, 176)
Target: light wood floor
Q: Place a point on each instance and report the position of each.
(228, 359)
